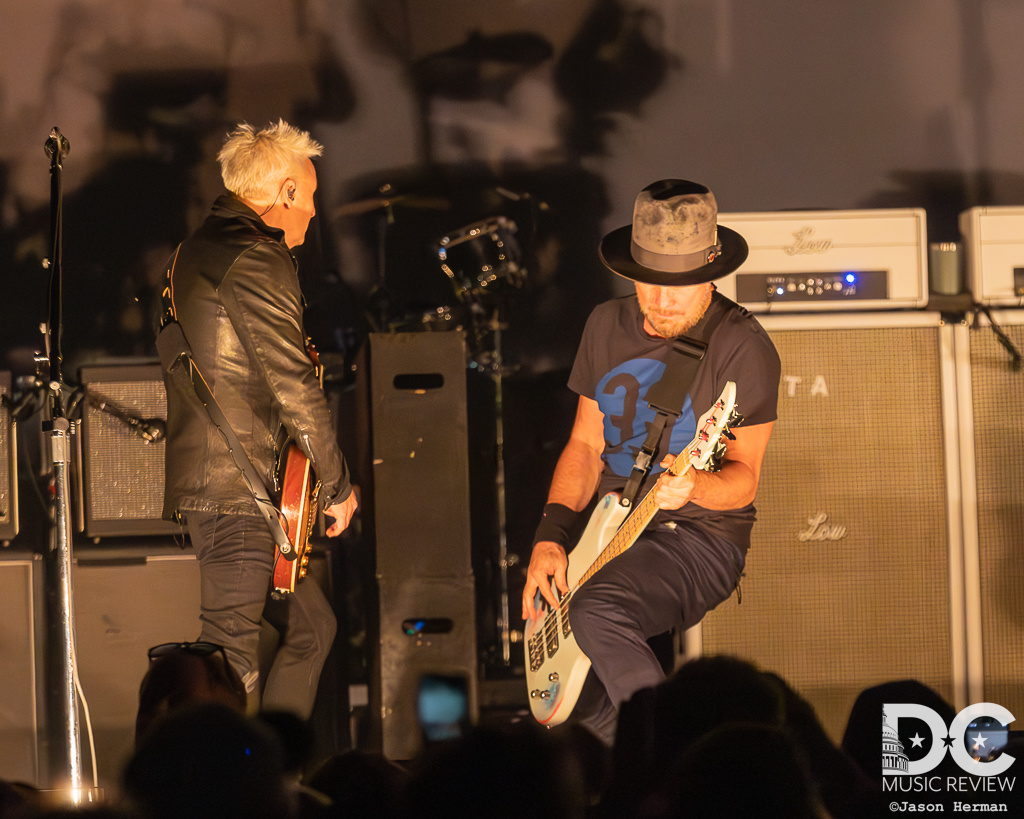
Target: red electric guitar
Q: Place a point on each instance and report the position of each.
(298, 505)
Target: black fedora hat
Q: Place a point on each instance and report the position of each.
(675, 239)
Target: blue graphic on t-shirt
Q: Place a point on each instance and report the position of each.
(622, 397)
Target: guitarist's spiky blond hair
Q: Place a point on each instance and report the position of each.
(254, 164)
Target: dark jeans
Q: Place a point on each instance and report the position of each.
(670, 578)
(236, 555)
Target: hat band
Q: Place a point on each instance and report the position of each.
(674, 262)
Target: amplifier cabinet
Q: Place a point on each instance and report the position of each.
(122, 472)
(8, 464)
(419, 506)
(854, 575)
(420, 454)
(127, 599)
(427, 630)
(991, 394)
(21, 668)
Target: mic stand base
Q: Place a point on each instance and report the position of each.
(65, 746)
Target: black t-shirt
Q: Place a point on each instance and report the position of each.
(618, 361)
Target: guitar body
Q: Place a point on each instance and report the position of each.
(555, 666)
(300, 492)
(300, 495)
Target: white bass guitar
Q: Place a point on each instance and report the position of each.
(555, 665)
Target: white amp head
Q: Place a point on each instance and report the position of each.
(994, 252)
(813, 261)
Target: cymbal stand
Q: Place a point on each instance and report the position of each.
(490, 362)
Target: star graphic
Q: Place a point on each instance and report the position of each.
(917, 740)
(979, 742)
(947, 741)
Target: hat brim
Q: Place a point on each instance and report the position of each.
(614, 251)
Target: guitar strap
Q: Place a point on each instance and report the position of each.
(667, 396)
(176, 359)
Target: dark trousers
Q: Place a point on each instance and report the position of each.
(236, 554)
(670, 578)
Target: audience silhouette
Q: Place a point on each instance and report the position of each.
(208, 761)
(741, 770)
(719, 737)
(182, 674)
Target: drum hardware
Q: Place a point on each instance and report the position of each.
(481, 257)
(380, 308)
(360, 207)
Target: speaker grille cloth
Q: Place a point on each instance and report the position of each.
(859, 441)
(125, 473)
(999, 452)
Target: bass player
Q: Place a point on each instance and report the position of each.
(692, 555)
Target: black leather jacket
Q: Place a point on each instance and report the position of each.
(236, 296)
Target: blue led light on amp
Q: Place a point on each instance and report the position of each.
(851, 278)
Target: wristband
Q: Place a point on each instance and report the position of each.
(558, 524)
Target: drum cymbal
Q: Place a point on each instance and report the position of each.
(359, 207)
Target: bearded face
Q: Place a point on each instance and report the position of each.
(671, 311)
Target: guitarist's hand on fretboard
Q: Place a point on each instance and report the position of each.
(674, 491)
(548, 560)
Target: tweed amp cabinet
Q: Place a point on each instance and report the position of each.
(855, 573)
(991, 397)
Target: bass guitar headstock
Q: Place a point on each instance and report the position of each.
(708, 443)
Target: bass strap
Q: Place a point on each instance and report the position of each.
(176, 359)
(667, 396)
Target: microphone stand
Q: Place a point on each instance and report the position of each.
(65, 750)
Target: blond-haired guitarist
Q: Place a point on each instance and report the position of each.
(237, 300)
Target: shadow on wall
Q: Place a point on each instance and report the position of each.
(120, 226)
(506, 122)
(946, 194)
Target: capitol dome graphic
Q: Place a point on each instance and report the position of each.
(894, 760)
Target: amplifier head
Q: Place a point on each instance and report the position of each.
(827, 261)
(994, 251)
